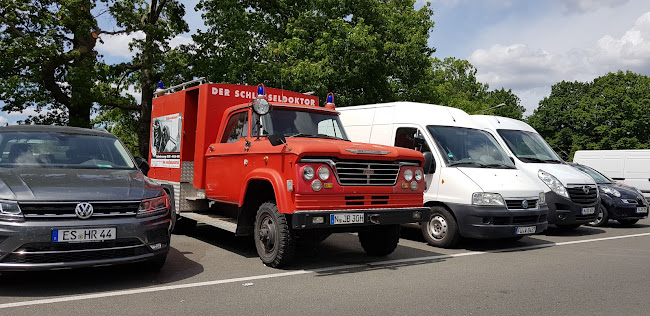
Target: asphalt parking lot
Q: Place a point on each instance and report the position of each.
(589, 271)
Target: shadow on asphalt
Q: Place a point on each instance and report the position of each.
(580, 231)
(97, 279)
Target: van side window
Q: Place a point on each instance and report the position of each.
(406, 137)
(236, 128)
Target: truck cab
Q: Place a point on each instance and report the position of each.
(274, 164)
(473, 188)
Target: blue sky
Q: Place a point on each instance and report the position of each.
(523, 45)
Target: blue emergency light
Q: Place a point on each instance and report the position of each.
(161, 85)
(330, 98)
(260, 91)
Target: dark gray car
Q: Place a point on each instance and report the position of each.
(72, 197)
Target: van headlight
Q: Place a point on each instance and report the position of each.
(483, 198)
(553, 183)
(611, 191)
(155, 206)
(9, 210)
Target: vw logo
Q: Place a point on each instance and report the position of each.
(524, 204)
(585, 189)
(84, 210)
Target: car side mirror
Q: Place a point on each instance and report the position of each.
(429, 163)
(142, 164)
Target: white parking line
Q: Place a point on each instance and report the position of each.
(298, 272)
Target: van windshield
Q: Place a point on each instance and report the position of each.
(290, 122)
(529, 146)
(62, 150)
(468, 147)
(598, 177)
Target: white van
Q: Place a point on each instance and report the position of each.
(473, 188)
(629, 166)
(571, 195)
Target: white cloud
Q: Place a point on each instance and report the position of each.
(118, 45)
(180, 40)
(581, 6)
(3, 121)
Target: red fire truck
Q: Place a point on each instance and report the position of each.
(274, 164)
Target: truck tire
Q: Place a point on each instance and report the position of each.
(601, 219)
(627, 222)
(379, 241)
(183, 226)
(442, 229)
(274, 239)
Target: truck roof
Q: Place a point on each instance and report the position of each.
(409, 113)
(493, 122)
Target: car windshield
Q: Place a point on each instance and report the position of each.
(290, 122)
(529, 146)
(468, 147)
(62, 150)
(598, 177)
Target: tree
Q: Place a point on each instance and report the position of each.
(612, 112)
(365, 50)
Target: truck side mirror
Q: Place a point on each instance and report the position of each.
(429, 163)
(277, 139)
(142, 164)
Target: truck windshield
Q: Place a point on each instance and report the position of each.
(529, 146)
(468, 147)
(289, 122)
(61, 150)
(598, 177)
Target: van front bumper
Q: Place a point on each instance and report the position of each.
(330, 219)
(494, 222)
(563, 211)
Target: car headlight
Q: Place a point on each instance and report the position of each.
(9, 210)
(308, 173)
(611, 191)
(553, 183)
(482, 198)
(418, 175)
(408, 174)
(542, 198)
(155, 206)
(323, 173)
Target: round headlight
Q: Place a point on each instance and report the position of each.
(414, 185)
(261, 106)
(308, 173)
(418, 175)
(408, 175)
(316, 185)
(323, 173)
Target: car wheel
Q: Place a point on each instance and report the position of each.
(441, 230)
(379, 240)
(601, 219)
(627, 222)
(567, 226)
(274, 240)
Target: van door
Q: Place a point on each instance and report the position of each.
(414, 138)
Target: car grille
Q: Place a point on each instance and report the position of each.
(62, 210)
(578, 195)
(34, 253)
(518, 204)
(367, 172)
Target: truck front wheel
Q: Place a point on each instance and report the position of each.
(274, 239)
(441, 230)
(379, 240)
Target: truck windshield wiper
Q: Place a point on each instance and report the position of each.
(316, 136)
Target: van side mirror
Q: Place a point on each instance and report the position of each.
(142, 164)
(277, 139)
(429, 163)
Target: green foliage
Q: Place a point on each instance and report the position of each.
(612, 112)
(121, 124)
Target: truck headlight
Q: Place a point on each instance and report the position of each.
(483, 198)
(323, 173)
(418, 175)
(308, 173)
(611, 191)
(316, 185)
(542, 198)
(553, 183)
(155, 206)
(9, 210)
(408, 174)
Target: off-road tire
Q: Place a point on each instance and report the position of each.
(601, 219)
(274, 239)
(379, 241)
(441, 230)
(627, 222)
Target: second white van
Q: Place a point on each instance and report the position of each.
(473, 188)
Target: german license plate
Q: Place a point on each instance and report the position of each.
(588, 210)
(526, 230)
(83, 235)
(346, 218)
(642, 209)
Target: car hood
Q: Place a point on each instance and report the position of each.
(45, 184)
(626, 191)
(510, 183)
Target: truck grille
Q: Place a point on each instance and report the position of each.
(367, 172)
(579, 196)
(519, 204)
(66, 210)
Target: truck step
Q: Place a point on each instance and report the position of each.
(219, 221)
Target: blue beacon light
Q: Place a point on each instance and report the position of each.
(260, 91)
(330, 101)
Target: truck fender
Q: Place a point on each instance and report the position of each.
(276, 180)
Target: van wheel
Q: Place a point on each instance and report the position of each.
(627, 222)
(183, 226)
(601, 219)
(380, 241)
(441, 230)
(274, 240)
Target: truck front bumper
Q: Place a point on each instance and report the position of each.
(326, 219)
